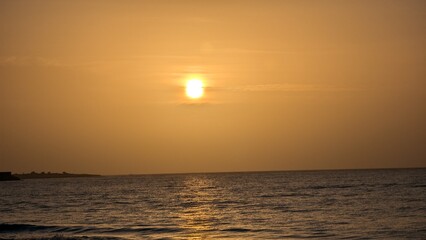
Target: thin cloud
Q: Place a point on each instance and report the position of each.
(290, 88)
(43, 61)
(28, 61)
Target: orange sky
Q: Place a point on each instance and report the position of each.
(98, 86)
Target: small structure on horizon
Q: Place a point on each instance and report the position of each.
(7, 176)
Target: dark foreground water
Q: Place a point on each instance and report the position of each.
(387, 204)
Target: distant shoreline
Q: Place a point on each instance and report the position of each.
(7, 176)
(34, 175)
(42, 175)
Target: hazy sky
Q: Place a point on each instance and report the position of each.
(98, 86)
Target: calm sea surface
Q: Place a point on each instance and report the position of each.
(350, 204)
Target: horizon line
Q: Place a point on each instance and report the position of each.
(266, 171)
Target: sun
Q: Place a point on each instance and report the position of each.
(194, 88)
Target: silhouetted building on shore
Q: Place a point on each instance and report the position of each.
(7, 176)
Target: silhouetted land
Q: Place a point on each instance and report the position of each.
(52, 175)
(7, 176)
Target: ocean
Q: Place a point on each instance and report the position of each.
(341, 204)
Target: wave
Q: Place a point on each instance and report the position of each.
(58, 237)
(21, 228)
(11, 227)
(332, 187)
(49, 232)
(236, 230)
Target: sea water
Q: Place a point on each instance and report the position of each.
(345, 204)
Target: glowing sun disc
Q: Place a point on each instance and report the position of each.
(194, 88)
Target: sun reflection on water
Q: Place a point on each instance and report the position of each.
(198, 212)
